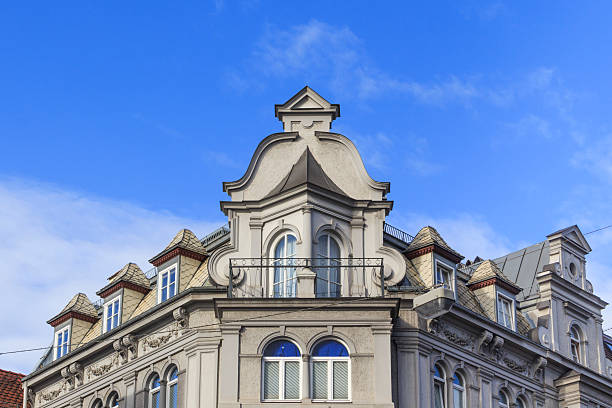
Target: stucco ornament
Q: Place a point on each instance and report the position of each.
(97, 370)
(126, 348)
(481, 344)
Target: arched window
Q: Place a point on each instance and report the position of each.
(327, 265)
(97, 403)
(458, 391)
(439, 387)
(113, 400)
(330, 371)
(285, 283)
(154, 392)
(172, 398)
(520, 403)
(503, 400)
(575, 344)
(281, 371)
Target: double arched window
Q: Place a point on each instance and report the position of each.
(284, 271)
(329, 371)
(520, 403)
(113, 400)
(327, 267)
(281, 368)
(164, 394)
(442, 386)
(575, 344)
(97, 403)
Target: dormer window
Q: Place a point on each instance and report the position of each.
(61, 342)
(505, 311)
(443, 275)
(166, 283)
(112, 312)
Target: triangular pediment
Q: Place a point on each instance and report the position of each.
(574, 235)
(307, 100)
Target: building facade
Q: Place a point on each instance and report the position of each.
(309, 298)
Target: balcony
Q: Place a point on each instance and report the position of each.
(306, 277)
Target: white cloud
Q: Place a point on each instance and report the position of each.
(55, 243)
(596, 157)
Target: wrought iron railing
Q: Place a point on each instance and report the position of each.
(151, 273)
(216, 234)
(397, 233)
(283, 275)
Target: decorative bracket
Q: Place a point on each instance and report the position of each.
(483, 341)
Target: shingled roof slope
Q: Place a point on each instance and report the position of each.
(306, 170)
(11, 391)
(130, 273)
(487, 270)
(188, 240)
(428, 236)
(80, 303)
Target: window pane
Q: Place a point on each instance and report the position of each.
(319, 380)
(173, 395)
(291, 241)
(458, 398)
(330, 348)
(155, 400)
(116, 307)
(115, 320)
(164, 294)
(281, 348)
(438, 397)
(340, 379)
(171, 290)
(292, 380)
(164, 280)
(271, 380)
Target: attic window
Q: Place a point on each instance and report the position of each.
(61, 342)
(111, 314)
(166, 283)
(505, 311)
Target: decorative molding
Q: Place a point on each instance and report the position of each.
(181, 317)
(537, 366)
(483, 341)
(433, 248)
(496, 347)
(121, 285)
(518, 366)
(126, 348)
(73, 375)
(450, 333)
(95, 371)
(162, 258)
(495, 281)
(72, 315)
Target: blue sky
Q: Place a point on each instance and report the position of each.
(119, 123)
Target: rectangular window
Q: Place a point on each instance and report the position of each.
(112, 314)
(61, 343)
(505, 311)
(167, 283)
(271, 382)
(443, 276)
(319, 380)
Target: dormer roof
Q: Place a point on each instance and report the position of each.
(427, 237)
(79, 307)
(306, 170)
(307, 102)
(185, 243)
(130, 276)
(488, 273)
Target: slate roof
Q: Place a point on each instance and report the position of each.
(11, 392)
(487, 270)
(306, 170)
(522, 266)
(129, 273)
(188, 240)
(427, 236)
(79, 303)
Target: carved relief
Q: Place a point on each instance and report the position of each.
(73, 375)
(450, 333)
(46, 396)
(496, 348)
(95, 371)
(181, 317)
(483, 341)
(518, 366)
(126, 348)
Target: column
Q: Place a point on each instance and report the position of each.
(382, 365)
(305, 378)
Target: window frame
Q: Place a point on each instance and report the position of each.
(160, 277)
(499, 401)
(436, 380)
(110, 302)
(330, 373)
(169, 384)
(283, 238)
(281, 373)
(109, 400)
(461, 388)
(65, 331)
(154, 390)
(325, 255)
(577, 342)
(504, 298)
(451, 275)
